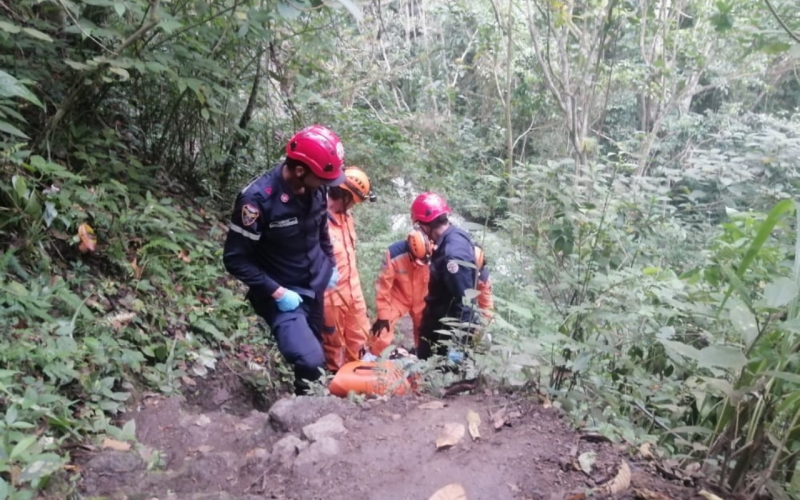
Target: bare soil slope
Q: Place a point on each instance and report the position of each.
(326, 448)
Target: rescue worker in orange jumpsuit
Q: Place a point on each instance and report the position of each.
(346, 325)
(484, 285)
(401, 288)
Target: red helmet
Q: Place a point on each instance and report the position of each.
(427, 207)
(320, 149)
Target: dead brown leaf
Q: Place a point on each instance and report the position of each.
(498, 419)
(432, 405)
(452, 491)
(184, 256)
(121, 319)
(188, 381)
(646, 451)
(450, 435)
(620, 483)
(643, 494)
(474, 422)
(113, 444)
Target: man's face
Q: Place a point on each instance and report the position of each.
(339, 200)
(310, 181)
(425, 228)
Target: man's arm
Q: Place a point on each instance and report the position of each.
(245, 227)
(325, 238)
(458, 279)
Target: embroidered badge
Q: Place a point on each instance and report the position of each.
(452, 266)
(268, 190)
(249, 215)
(283, 223)
(340, 151)
(284, 197)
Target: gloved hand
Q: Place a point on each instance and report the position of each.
(334, 278)
(379, 326)
(455, 356)
(289, 301)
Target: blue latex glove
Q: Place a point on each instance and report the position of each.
(334, 278)
(455, 356)
(289, 302)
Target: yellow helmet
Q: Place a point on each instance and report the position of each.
(419, 245)
(357, 184)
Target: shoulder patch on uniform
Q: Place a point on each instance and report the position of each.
(249, 214)
(452, 266)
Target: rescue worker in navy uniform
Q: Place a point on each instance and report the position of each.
(448, 280)
(278, 245)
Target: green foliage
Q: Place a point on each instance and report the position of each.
(627, 169)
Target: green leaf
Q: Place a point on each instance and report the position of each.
(77, 65)
(353, 9)
(287, 11)
(11, 87)
(207, 327)
(780, 292)
(745, 323)
(721, 356)
(37, 34)
(11, 415)
(12, 130)
(776, 48)
(758, 242)
(120, 8)
(680, 348)
(788, 377)
(20, 447)
(20, 186)
(691, 429)
(9, 28)
(129, 429)
(121, 72)
(204, 114)
(4, 490)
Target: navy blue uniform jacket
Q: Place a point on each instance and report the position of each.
(449, 281)
(277, 238)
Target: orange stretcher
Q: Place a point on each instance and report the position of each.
(382, 378)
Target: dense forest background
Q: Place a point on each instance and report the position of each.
(630, 165)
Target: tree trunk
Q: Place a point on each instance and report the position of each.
(240, 136)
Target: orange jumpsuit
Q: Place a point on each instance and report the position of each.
(485, 300)
(346, 325)
(400, 289)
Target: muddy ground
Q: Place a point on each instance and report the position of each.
(209, 446)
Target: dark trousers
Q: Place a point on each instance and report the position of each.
(298, 334)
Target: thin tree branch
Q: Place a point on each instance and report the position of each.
(788, 31)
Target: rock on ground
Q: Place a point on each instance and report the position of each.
(330, 425)
(292, 414)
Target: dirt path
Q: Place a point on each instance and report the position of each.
(327, 448)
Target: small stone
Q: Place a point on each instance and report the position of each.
(285, 450)
(221, 397)
(115, 462)
(328, 426)
(325, 447)
(292, 414)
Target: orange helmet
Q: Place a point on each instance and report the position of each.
(357, 183)
(480, 257)
(420, 246)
